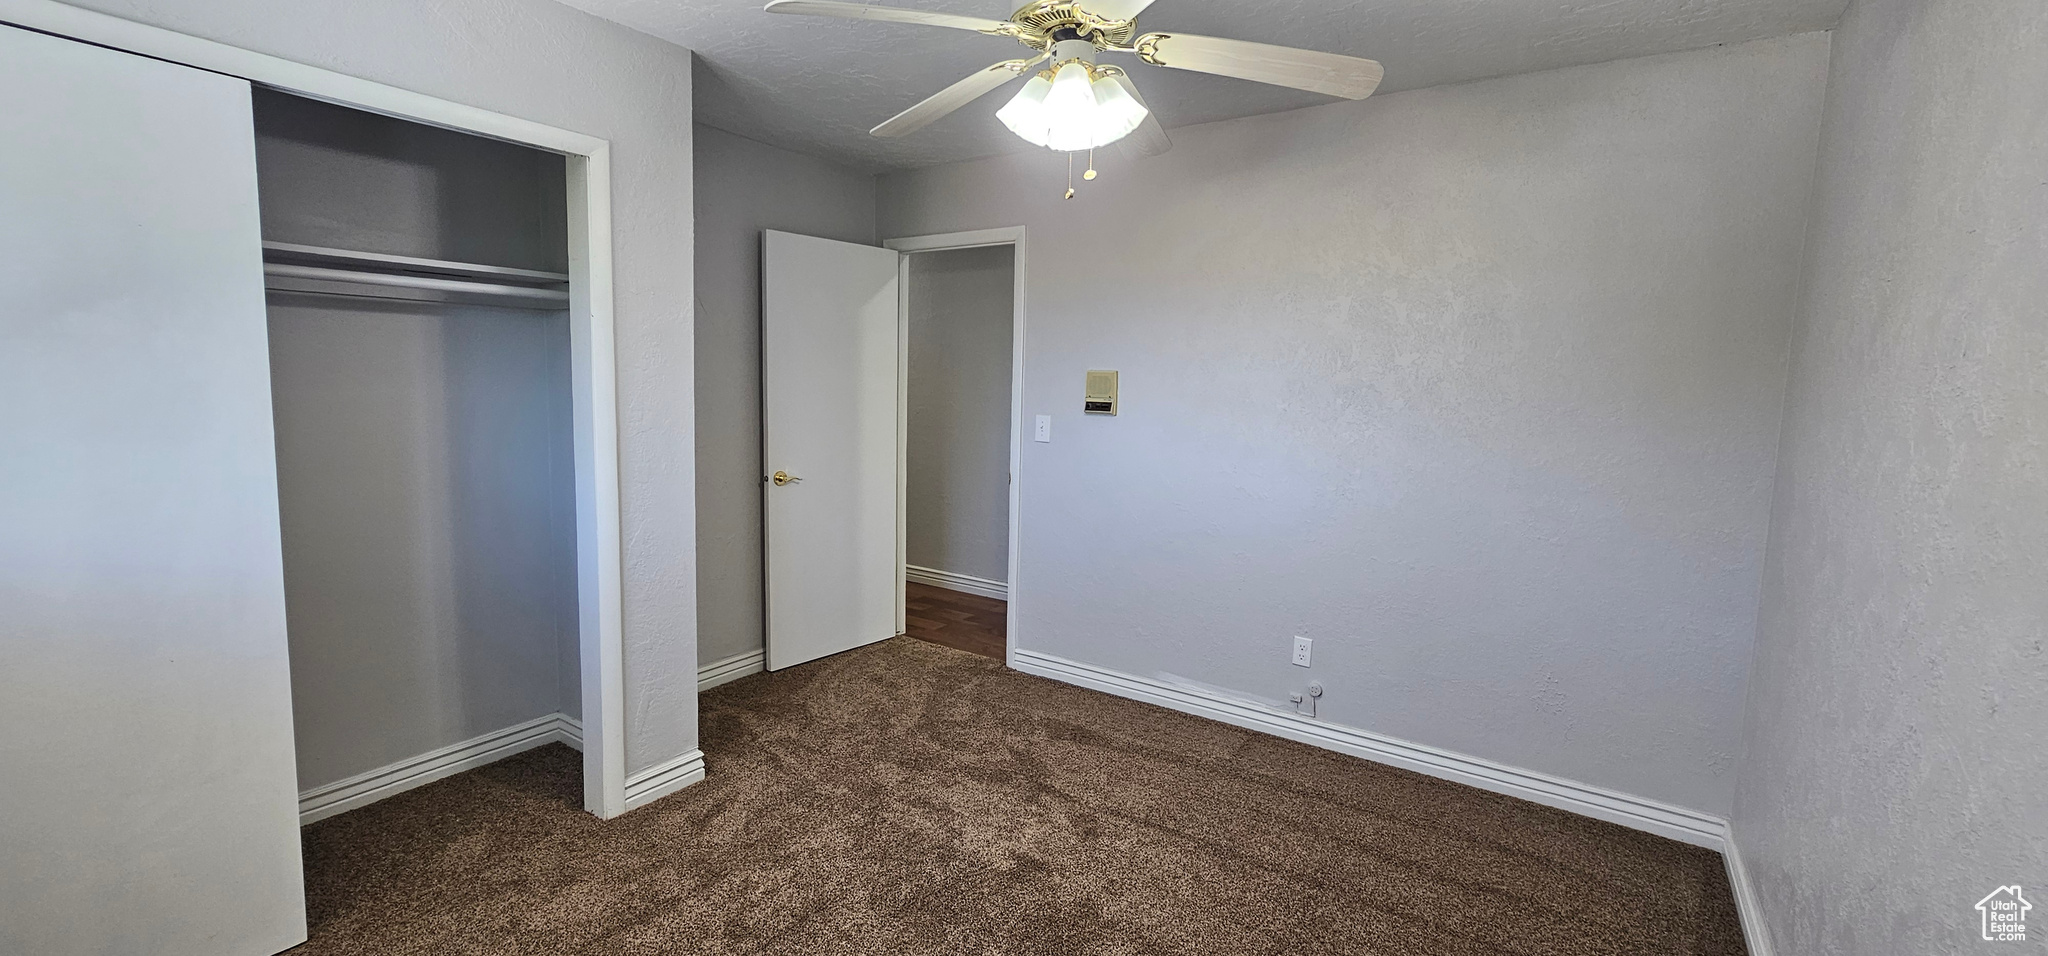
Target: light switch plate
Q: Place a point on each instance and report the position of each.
(1044, 432)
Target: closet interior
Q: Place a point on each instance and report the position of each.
(417, 289)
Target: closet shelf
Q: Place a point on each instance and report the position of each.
(291, 267)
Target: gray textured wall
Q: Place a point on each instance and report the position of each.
(345, 178)
(1894, 771)
(958, 505)
(427, 496)
(544, 62)
(743, 188)
(1479, 386)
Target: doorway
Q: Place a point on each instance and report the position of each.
(962, 334)
(836, 371)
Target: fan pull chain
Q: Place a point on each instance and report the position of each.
(1070, 177)
(1090, 174)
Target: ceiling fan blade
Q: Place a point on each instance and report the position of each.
(862, 11)
(953, 97)
(1149, 139)
(1350, 77)
(1116, 9)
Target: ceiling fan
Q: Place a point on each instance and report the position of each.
(1076, 104)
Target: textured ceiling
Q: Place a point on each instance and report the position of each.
(816, 85)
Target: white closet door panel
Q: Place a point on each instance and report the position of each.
(147, 795)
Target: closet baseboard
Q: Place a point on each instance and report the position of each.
(731, 669)
(965, 583)
(366, 788)
(663, 779)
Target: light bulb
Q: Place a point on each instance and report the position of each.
(1070, 109)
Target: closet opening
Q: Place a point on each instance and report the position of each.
(960, 332)
(424, 405)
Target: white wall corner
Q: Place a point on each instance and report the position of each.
(1640, 813)
(670, 776)
(663, 779)
(569, 731)
(1755, 932)
(965, 583)
(731, 669)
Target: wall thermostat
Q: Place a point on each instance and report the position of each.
(1101, 396)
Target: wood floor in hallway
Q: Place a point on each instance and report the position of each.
(964, 622)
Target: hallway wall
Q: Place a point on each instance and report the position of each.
(958, 500)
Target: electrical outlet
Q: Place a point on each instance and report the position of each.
(1302, 647)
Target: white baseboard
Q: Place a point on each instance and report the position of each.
(730, 669)
(1754, 931)
(569, 730)
(965, 583)
(663, 779)
(1663, 819)
(366, 788)
(363, 789)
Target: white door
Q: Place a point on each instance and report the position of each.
(829, 426)
(148, 801)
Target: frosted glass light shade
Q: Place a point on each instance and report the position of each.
(1071, 111)
(1116, 113)
(1025, 113)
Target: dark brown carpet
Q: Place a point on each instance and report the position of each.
(907, 798)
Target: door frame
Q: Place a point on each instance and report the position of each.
(1012, 236)
(600, 632)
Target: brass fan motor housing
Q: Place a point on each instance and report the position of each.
(1096, 71)
(1040, 20)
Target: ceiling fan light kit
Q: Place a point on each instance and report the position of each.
(1075, 105)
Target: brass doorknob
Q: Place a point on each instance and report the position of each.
(785, 478)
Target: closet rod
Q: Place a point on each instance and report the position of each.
(286, 270)
(387, 262)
